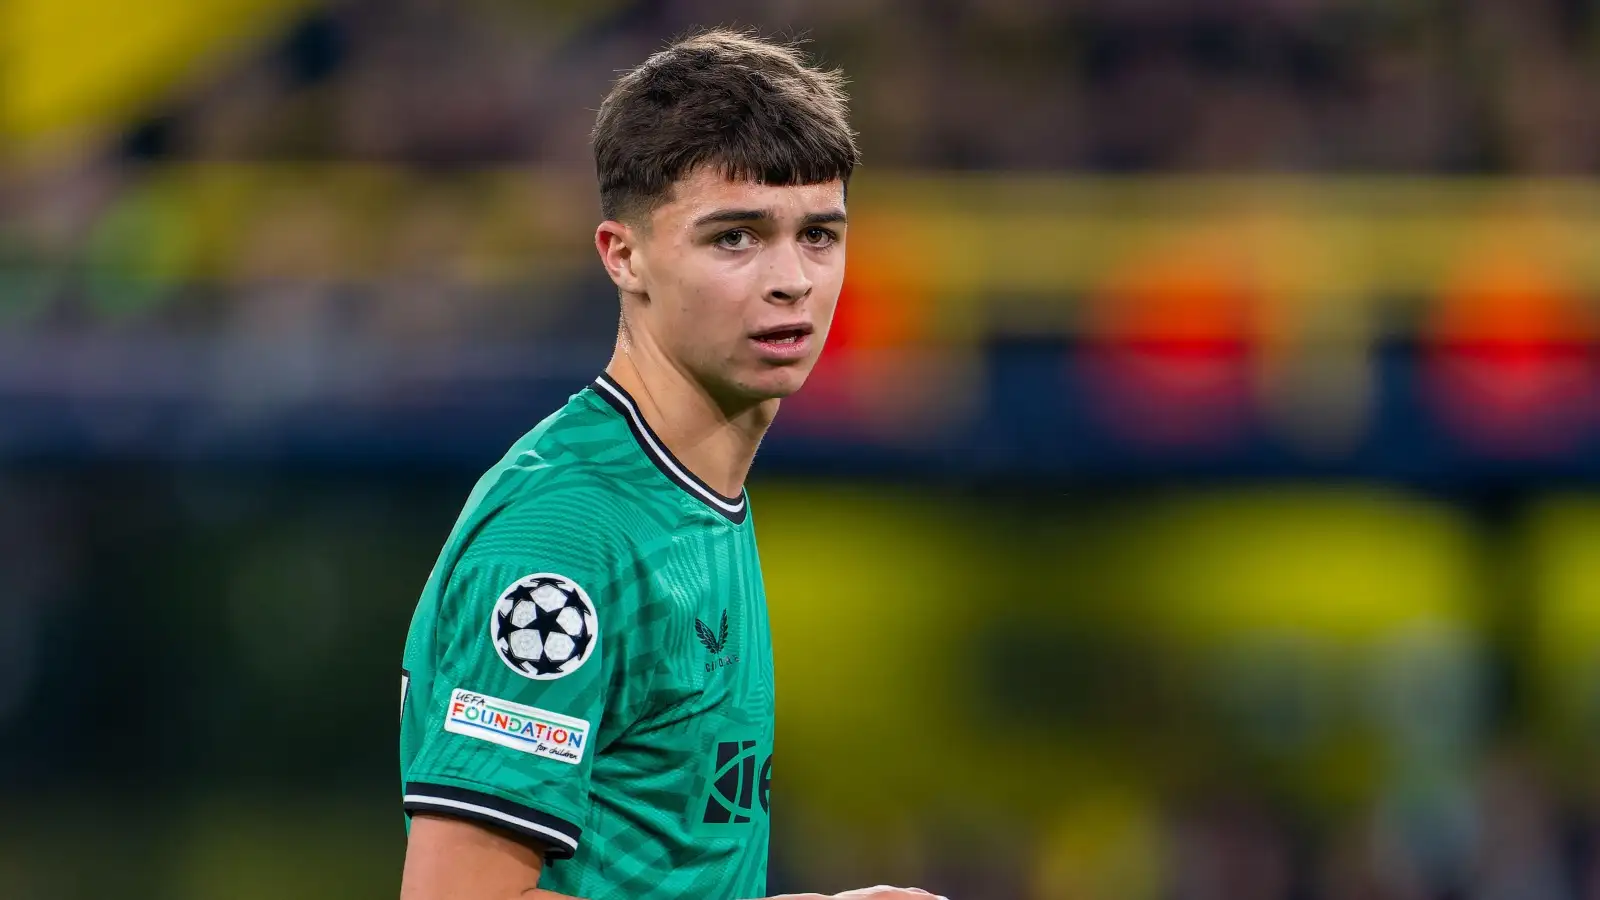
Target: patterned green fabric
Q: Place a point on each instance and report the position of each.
(590, 667)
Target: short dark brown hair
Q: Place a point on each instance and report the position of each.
(754, 108)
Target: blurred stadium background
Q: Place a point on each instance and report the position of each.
(1200, 497)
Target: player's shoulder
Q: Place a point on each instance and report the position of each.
(582, 453)
(578, 472)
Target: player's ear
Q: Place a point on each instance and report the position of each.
(617, 244)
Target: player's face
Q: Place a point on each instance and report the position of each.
(741, 281)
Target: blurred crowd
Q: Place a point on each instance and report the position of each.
(1093, 85)
(447, 91)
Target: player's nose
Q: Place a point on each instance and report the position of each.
(788, 280)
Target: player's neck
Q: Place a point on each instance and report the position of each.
(717, 444)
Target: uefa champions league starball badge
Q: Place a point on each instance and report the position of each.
(544, 626)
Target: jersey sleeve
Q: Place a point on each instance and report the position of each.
(525, 677)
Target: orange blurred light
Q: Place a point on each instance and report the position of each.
(1509, 358)
(1172, 350)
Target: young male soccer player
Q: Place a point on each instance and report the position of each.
(587, 705)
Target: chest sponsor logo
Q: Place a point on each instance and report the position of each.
(716, 642)
(740, 784)
(525, 728)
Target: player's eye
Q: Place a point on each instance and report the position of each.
(738, 239)
(818, 236)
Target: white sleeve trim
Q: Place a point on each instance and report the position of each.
(420, 800)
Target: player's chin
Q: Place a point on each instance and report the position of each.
(767, 382)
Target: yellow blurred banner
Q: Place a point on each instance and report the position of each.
(953, 255)
(1328, 625)
(72, 63)
(1007, 237)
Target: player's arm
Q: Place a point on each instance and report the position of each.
(499, 784)
(451, 859)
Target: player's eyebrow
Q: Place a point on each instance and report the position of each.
(823, 218)
(723, 216)
(726, 216)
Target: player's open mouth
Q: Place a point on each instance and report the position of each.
(783, 343)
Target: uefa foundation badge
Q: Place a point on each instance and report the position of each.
(525, 728)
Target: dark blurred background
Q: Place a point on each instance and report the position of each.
(1199, 497)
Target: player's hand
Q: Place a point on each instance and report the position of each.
(881, 892)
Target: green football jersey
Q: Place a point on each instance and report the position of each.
(590, 665)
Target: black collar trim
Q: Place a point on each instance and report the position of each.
(733, 508)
